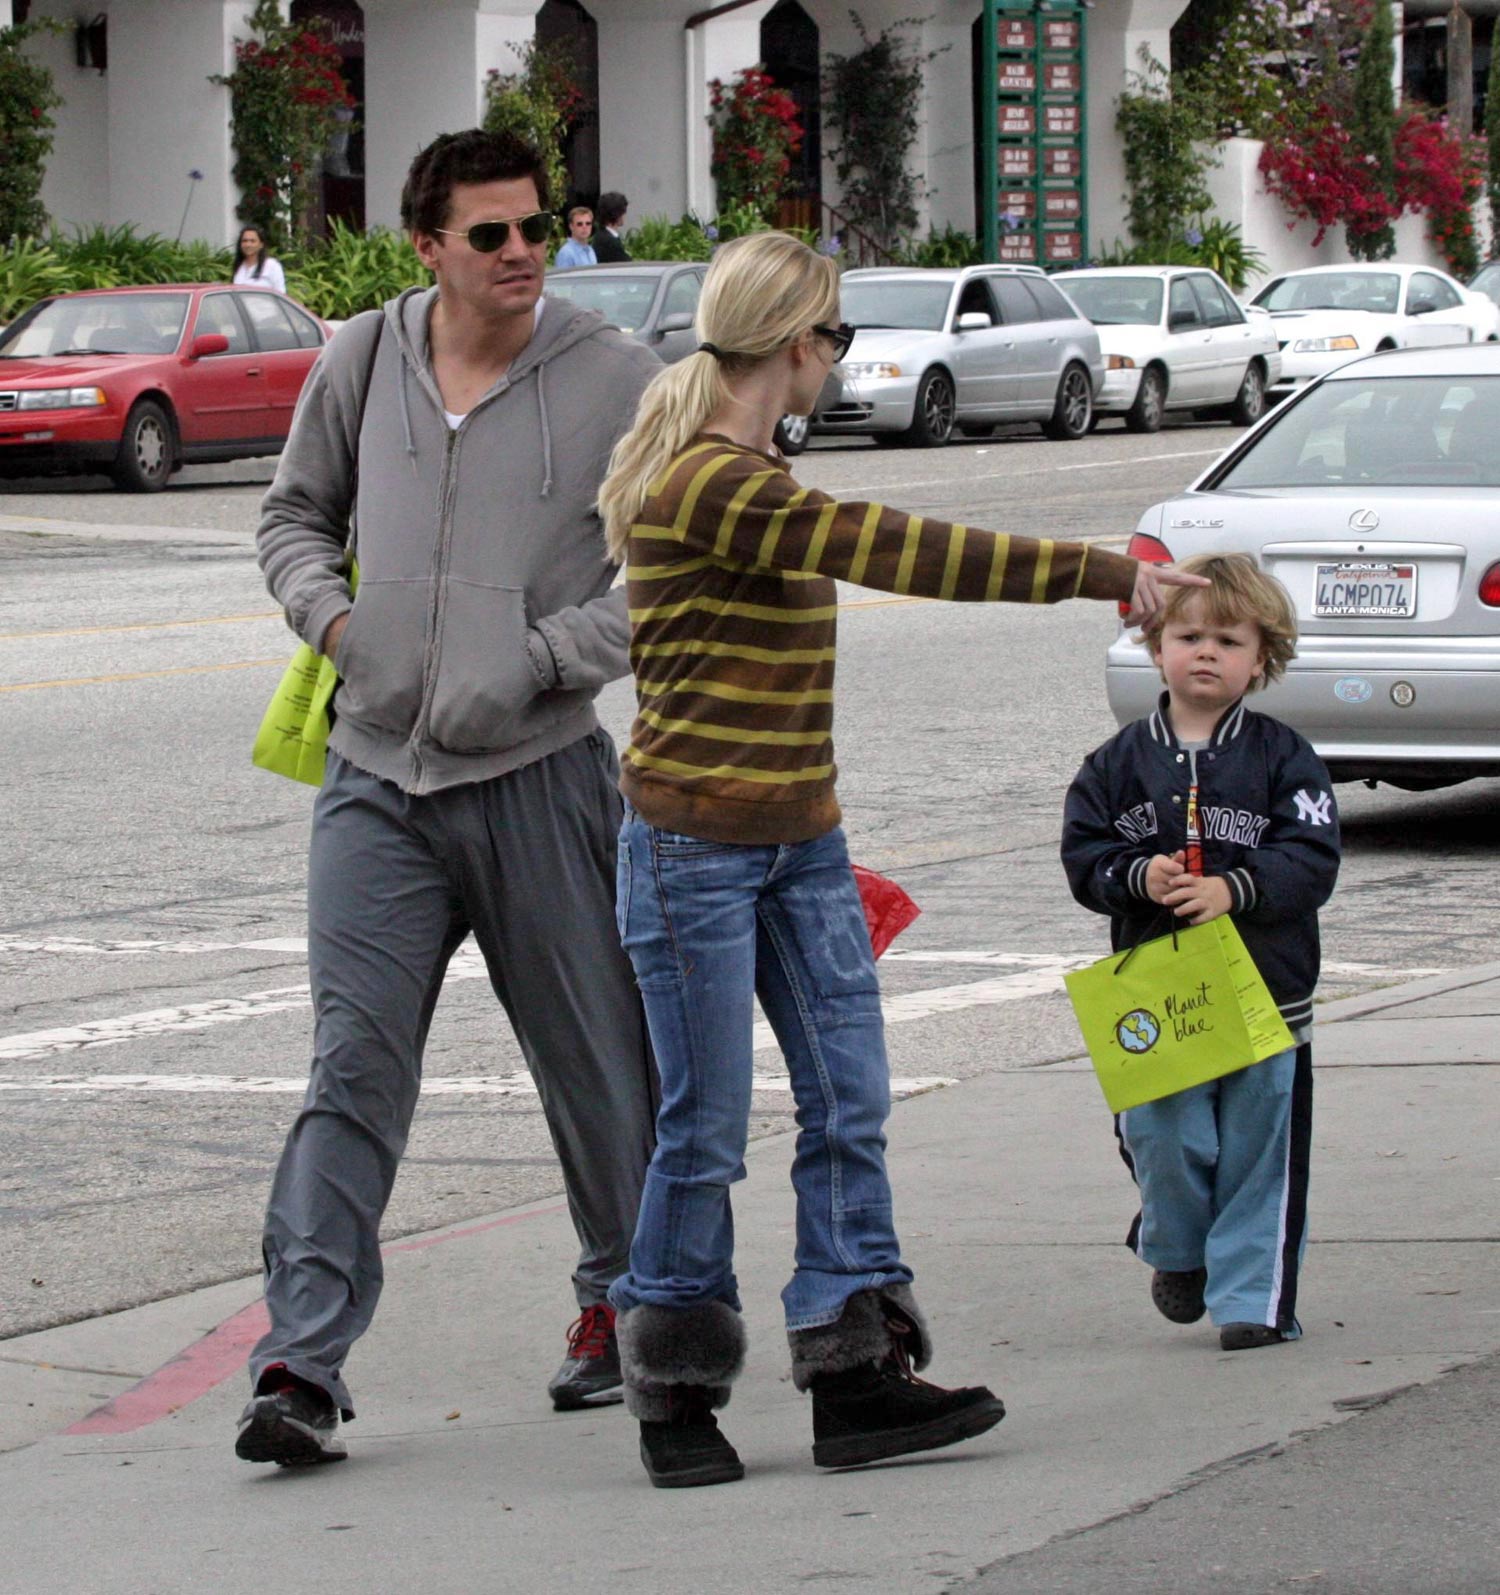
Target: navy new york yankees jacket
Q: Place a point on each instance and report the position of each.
(1268, 822)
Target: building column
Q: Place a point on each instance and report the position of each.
(1114, 35)
(644, 92)
(425, 67)
(718, 48)
(166, 119)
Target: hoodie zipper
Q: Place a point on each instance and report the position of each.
(440, 552)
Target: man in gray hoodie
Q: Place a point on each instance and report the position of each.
(469, 787)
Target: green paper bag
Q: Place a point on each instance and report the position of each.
(293, 736)
(1175, 1012)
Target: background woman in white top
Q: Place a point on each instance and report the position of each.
(253, 265)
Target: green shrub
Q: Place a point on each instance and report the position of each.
(660, 238)
(29, 270)
(1214, 243)
(352, 271)
(951, 247)
(110, 257)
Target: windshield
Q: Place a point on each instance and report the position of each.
(1379, 291)
(1116, 301)
(623, 301)
(918, 306)
(100, 324)
(1380, 431)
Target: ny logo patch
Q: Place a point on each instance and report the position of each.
(1315, 810)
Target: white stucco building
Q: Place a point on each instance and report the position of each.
(141, 111)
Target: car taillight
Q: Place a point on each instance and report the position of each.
(1489, 587)
(1151, 551)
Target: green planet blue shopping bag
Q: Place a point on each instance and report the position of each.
(293, 736)
(1175, 1012)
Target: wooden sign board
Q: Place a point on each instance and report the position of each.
(1064, 205)
(1062, 77)
(1059, 35)
(1019, 202)
(1017, 121)
(1016, 34)
(1016, 77)
(1064, 246)
(1062, 119)
(1062, 161)
(1017, 160)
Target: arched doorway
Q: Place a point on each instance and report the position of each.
(564, 27)
(343, 187)
(789, 52)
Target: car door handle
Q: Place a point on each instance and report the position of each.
(254, 371)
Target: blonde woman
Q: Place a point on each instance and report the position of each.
(734, 881)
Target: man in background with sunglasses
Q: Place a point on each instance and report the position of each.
(469, 789)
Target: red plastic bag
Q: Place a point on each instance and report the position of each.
(888, 910)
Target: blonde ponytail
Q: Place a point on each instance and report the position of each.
(762, 292)
(672, 411)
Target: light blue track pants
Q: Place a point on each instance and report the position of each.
(1222, 1170)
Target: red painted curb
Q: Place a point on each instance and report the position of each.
(225, 1349)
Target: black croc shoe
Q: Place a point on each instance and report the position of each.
(1179, 1296)
(882, 1409)
(1246, 1337)
(590, 1373)
(687, 1449)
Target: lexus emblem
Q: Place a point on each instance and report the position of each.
(1363, 521)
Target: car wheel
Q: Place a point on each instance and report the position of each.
(791, 434)
(932, 418)
(1150, 407)
(1074, 408)
(1250, 401)
(145, 459)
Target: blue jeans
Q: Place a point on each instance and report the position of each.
(709, 926)
(1223, 1172)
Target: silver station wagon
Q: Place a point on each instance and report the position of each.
(938, 350)
(1374, 495)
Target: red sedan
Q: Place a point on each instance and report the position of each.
(138, 382)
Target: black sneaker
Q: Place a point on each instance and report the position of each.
(883, 1410)
(687, 1449)
(1247, 1337)
(293, 1428)
(1179, 1296)
(590, 1374)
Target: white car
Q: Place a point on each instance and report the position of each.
(1175, 339)
(1329, 314)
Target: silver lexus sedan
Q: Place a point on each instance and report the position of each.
(1374, 495)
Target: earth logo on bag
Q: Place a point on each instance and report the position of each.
(1138, 1031)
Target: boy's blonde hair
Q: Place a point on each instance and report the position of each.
(762, 292)
(1239, 590)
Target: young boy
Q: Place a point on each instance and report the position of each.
(1203, 809)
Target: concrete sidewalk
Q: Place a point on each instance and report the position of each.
(1012, 1206)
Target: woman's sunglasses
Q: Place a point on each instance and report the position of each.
(486, 237)
(840, 337)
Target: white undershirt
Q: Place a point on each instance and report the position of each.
(456, 421)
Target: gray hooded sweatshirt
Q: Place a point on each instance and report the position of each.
(484, 623)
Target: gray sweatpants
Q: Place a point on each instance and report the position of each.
(395, 882)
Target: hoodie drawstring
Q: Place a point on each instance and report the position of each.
(541, 404)
(411, 444)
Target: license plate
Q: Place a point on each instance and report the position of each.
(1365, 590)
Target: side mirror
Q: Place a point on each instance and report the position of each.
(208, 343)
(973, 321)
(678, 321)
(1180, 319)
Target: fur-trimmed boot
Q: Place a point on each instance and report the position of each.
(678, 1364)
(867, 1402)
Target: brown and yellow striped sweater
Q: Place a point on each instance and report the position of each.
(730, 578)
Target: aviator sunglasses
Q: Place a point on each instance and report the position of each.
(486, 237)
(840, 337)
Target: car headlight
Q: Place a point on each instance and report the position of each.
(1324, 345)
(1119, 362)
(59, 398)
(871, 368)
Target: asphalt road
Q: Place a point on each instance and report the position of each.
(151, 897)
